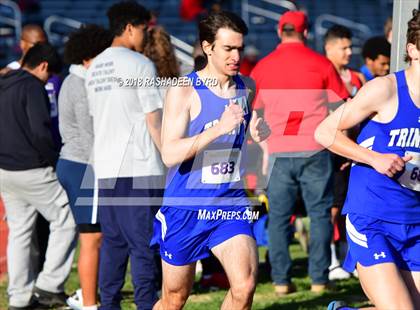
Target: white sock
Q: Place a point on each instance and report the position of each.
(94, 307)
(334, 259)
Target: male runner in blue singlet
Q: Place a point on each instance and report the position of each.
(383, 200)
(203, 143)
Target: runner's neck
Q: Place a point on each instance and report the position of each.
(225, 82)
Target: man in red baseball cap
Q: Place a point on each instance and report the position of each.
(294, 86)
(295, 19)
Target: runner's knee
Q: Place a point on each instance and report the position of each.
(243, 290)
(174, 299)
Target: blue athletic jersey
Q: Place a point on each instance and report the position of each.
(370, 193)
(214, 177)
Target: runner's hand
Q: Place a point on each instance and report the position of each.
(389, 164)
(259, 128)
(231, 118)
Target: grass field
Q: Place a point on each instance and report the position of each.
(347, 290)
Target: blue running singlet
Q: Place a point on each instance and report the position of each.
(376, 195)
(214, 177)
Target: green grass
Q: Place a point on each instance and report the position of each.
(347, 290)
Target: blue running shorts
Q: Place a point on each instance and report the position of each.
(373, 241)
(185, 238)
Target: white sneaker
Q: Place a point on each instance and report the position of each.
(75, 301)
(338, 273)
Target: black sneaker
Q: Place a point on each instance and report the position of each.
(49, 299)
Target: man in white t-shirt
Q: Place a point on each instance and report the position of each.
(127, 124)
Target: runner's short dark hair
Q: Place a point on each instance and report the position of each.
(209, 26)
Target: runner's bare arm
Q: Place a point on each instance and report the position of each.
(372, 99)
(177, 148)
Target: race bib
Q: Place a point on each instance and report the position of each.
(221, 166)
(411, 175)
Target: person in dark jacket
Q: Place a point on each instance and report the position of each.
(32, 34)
(28, 182)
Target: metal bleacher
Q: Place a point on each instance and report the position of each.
(364, 17)
(10, 29)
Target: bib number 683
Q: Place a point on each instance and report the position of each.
(223, 168)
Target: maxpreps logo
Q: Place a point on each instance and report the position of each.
(219, 214)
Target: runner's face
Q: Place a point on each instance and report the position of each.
(380, 66)
(226, 52)
(339, 51)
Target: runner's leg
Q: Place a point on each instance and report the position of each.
(177, 285)
(238, 256)
(385, 286)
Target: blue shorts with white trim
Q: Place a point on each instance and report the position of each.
(185, 238)
(373, 241)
